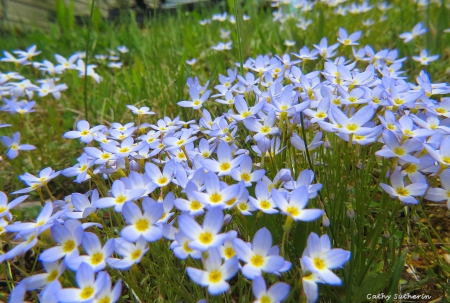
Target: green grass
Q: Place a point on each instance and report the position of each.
(155, 74)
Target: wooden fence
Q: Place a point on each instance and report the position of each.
(40, 13)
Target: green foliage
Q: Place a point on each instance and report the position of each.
(65, 15)
(363, 219)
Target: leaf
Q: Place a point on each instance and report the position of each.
(371, 285)
(61, 13)
(398, 269)
(70, 17)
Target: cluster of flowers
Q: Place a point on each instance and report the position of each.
(224, 34)
(18, 92)
(201, 169)
(113, 57)
(285, 13)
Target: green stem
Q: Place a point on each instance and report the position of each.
(238, 32)
(88, 38)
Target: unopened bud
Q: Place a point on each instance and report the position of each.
(306, 123)
(350, 213)
(325, 221)
(326, 144)
(227, 219)
(134, 166)
(263, 145)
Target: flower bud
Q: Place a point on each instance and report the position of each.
(325, 221)
(306, 123)
(134, 166)
(263, 145)
(227, 219)
(350, 213)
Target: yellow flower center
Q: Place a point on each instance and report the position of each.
(265, 129)
(321, 115)
(162, 180)
(68, 246)
(124, 150)
(264, 204)
(408, 132)
(399, 151)
(205, 154)
(293, 211)
(231, 202)
(136, 254)
(52, 275)
(336, 101)
(195, 205)
(105, 300)
(352, 127)
(96, 258)
(180, 142)
(265, 299)
(245, 177)
(391, 126)
(319, 263)
(187, 248)
(401, 191)
(84, 132)
(446, 160)
(215, 276)
(351, 99)
(440, 110)
(229, 252)
(257, 260)
(197, 102)
(215, 198)
(105, 156)
(142, 225)
(243, 206)
(87, 292)
(206, 237)
(121, 199)
(225, 166)
(246, 114)
(412, 168)
(398, 101)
